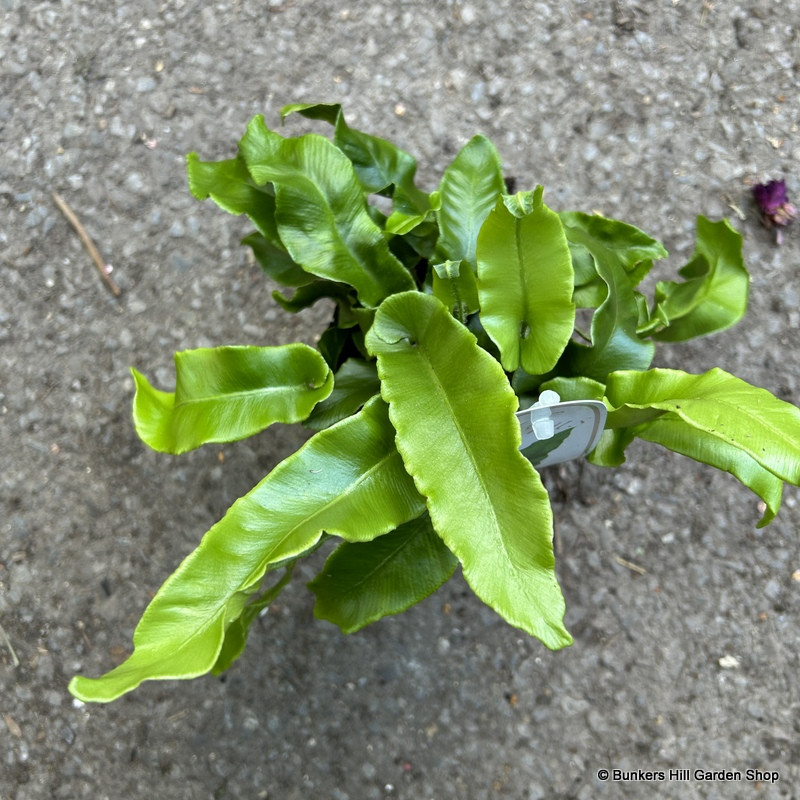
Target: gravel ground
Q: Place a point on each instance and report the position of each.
(650, 112)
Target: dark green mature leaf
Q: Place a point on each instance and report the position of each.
(276, 262)
(306, 296)
(615, 342)
(363, 582)
(714, 418)
(228, 393)
(525, 283)
(333, 344)
(348, 480)
(321, 212)
(468, 191)
(355, 382)
(713, 294)
(485, 499)
(631, 248)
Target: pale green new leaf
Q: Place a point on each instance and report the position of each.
(453, 411)
(454, 284)
(574, 388)
(348, 481)
(620, 265)
(363, 582)
(381, 168)
(715, 418)
(713, 294)
(625, 244)
(224, 394)
(525, 283)
(321, 212)
(582, 265)
(468, 191)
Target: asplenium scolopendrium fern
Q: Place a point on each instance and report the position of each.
(450, 313)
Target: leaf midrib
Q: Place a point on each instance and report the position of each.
(497, 528)
(219, 608)
(732, 409)
(391, 556)
(302, 386)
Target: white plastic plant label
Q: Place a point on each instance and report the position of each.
(553, 431)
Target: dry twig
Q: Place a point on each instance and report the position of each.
(88, 244)
(7, 642)
(630, 565)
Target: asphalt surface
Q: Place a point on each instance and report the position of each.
(650, 112)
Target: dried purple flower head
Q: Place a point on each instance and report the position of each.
(774, 205)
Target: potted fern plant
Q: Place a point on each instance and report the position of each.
(476, 334)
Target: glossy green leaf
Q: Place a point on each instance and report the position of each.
(419, 229)
(321, 212)
(468, 191)
(363, 582)
(615, 342)
(348, 480)
(644, 311)
(238, 630)
(590, 290)
(713, 294)
(381, 167)
(747, 417)
(229, 184)
(485, 499)
(454, 285)
(610, 450)
(401, 223)
(574, 388)
(355, 382)
(625, 244)
(582, 265)
(525, 283)
(225, 394)
(715, 418)
(521, 382)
